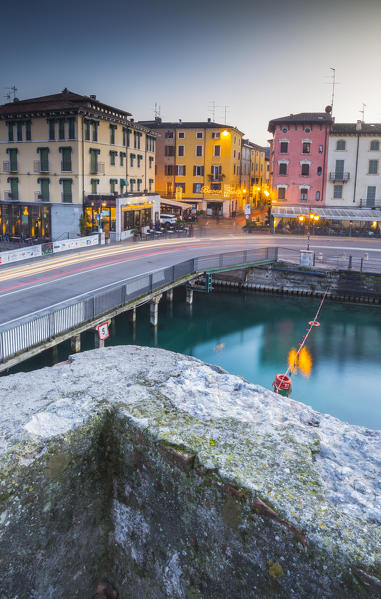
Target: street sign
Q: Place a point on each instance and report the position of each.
(247, 209)
(103, 332)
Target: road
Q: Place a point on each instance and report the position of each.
(30, 287)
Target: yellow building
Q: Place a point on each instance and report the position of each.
(199, 163)
(254, 180)
(65, 154)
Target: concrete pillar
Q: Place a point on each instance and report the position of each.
(133, 316)
(169, 295)
(154, 311)
(189, 297)
(97, 342)
(75, 343)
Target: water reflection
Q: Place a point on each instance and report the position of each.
(301, 362)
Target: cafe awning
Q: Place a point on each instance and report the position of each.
(345, 214)
(174, 203)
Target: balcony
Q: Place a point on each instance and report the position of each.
(40, 168)
(339, 176)
(98, 169)
(41, 197)
(370, 204)
(9, 167)
(9, 196)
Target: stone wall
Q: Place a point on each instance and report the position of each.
(342, 285)
(178, 480)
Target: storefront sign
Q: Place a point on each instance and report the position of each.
(103, 332)
(247, 209)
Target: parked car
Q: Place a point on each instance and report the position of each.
(168, 219)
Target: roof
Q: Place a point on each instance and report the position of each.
(351, 129)
(251, 144)
(159, 124)
(66, 101)
(353, 214)
(301, 117)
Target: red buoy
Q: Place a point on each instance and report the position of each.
(314, 323)
(282, 384)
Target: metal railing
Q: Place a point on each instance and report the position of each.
(23, 333)
(370, 203)
(339, 176)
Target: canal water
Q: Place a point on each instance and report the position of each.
(254, 335)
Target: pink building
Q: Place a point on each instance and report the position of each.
(299, 151)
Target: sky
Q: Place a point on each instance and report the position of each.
(262, 60)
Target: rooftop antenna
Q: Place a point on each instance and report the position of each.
(212, 108)
(11, 91)
(333, 83)
(362, 111)
(157, 111)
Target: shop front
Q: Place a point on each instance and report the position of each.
(25, 222)
(135, 214)
(100, 214)
(354, 222)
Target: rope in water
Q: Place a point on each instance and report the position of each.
(312, 323)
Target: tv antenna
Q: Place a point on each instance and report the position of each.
(11, 91)
(333, 83)
(157, 111)
(212, 109)
(362, 111)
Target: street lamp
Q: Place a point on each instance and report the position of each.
(312, 218)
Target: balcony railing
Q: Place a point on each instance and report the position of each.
(40, 168)
(41, 197)
(339, 176)
(98, 169)
(9, 196)
(370, 203)
(8, 167)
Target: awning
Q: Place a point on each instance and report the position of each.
(219, 201)
(347, 214)
(174, 203)
(123, 182)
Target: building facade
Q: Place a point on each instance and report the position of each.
(299, 152)
(354, 165)
(199, 163)
(65, 155)
(254, 184)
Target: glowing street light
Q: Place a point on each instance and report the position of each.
(225, 133)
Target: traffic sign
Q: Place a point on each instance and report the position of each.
(103, 332)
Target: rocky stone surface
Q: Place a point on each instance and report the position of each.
(179, 480)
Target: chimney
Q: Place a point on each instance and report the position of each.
(209, 120)
(157, 119)
(93, 97)
(132, 120)
(179, 120)
(358, 126)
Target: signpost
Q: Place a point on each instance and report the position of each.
(103, 332)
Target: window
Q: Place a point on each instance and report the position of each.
(340, 144)
(132, 183)
(319, 171)
(122, 156)
(52, 130)
(180, 170)
(284, 147)
(283, 168)
(371, 196)
(169, 135)
(317, 196)
(94, 185)
(199, 135)
(113, 154)
(216, 171)
(44, 189)
(150, 143)
(216, 135)
(113, 184)
(197, 187)
(180, 186)
(19, 131)
(132, 158)
(44, 159)
(71, 128)
(373, 167)
(140, 158)
(169, 170)
(284, 130)
(198, 150)
(281, 193)
(112, 134)
(137, 136)
(87, 130)
(67, 194)
(307, 130)
(180, 150)
(181, 135)
(217, 150)
(65, 159)
(94, 160)
(10, 132)
(12, 153)
(61, 129)
(305, 170)
(139, 184)
(95, 130)
(215, 186)
(28, 130)
(150, 161)
(198, 171)
(303, 194)
(169, 150)
(14, 187)
(235, 139)
(233, 169)
(337, 192)
(339, 169)
(306, 147)
(320, 149)
(150, 184)
(375, 145)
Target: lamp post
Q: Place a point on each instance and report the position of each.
(311, 218)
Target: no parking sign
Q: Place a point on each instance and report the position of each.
(103, 332)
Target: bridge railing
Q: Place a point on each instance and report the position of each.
(23, 333)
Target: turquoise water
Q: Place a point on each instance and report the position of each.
(251, 335)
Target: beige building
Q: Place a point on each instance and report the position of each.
(66, 155)
(199, 163)
(254, 174)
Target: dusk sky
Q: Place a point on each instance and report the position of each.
(264, 60)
